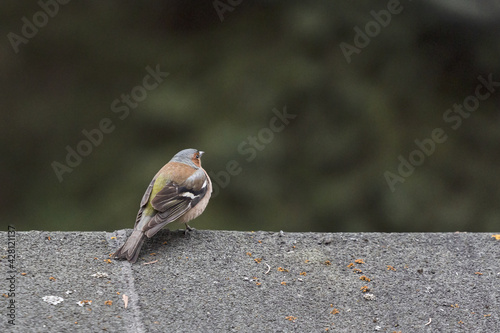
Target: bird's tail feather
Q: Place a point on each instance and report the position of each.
(130, 250)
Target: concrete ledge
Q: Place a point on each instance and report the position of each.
(227, 281)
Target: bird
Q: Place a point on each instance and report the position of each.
(179, 192)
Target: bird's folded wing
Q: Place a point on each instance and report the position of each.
(144, 201)
(147, 194)
(172, 195)
(173, 200)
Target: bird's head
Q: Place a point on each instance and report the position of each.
(189, 156)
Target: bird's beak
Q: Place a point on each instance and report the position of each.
(201, 153)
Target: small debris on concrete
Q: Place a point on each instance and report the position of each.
(100, 275)
(84, 302)
(54, 300)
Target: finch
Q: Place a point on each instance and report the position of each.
(180, 192)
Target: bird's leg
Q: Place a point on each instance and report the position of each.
(188, 228)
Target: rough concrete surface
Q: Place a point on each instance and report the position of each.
(227, 281)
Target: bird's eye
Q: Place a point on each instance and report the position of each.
(197, 155)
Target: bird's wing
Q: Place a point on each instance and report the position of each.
(174, 200)
(144, 201)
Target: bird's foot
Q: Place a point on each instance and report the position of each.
(188, 229)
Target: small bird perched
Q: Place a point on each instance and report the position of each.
(179, 192)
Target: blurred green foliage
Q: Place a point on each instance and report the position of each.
(323, 172)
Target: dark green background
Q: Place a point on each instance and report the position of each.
(323, 172)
